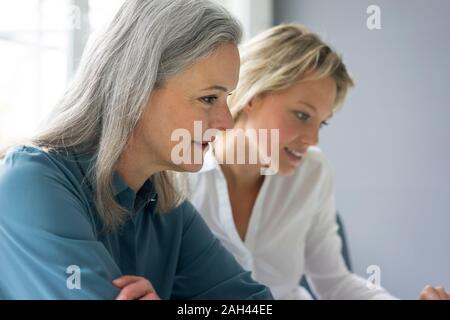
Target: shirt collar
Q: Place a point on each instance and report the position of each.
(209, 162)
(119, 185)
(145, 194)
(128, 198)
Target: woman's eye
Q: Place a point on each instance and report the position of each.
(209, 100)
(303, 116)
(323, 124)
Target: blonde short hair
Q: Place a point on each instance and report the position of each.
(281, 56)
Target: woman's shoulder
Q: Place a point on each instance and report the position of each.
(29, 173)
(310, 179)
(30, 164)
(315, 159)
(38, 189)
(314, 168)
(186, 210)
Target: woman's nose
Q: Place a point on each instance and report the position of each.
(311, 138)
(221, 118)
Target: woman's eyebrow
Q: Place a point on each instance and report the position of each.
(308, 105)
(216, 87)
(312, 107)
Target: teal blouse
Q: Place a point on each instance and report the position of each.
(52, 247)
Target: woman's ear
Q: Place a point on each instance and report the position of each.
(250, 106)
(254, 103)
(247, 109)
(243, 114)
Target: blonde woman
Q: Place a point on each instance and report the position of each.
(88, 209)
(282, 226)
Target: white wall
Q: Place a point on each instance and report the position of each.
(255, 15)
(390, 144)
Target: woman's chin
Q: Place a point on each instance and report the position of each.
(286, 170)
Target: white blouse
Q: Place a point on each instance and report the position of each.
(292, 230)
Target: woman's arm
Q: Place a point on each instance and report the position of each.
(324, 263)
(206, 270)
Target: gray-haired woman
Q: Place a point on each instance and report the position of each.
(88, 209)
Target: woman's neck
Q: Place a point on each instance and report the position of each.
(136, 166)
(241, 176)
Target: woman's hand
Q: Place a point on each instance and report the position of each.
(135, 288)
(430, 293)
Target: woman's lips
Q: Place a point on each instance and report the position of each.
(293, 155)
(203, 145)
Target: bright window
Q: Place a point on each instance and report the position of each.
(41, 42)
(33, 62)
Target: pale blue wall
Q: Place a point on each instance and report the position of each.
(390, 144)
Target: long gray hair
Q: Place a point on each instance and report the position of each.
(147, 42)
